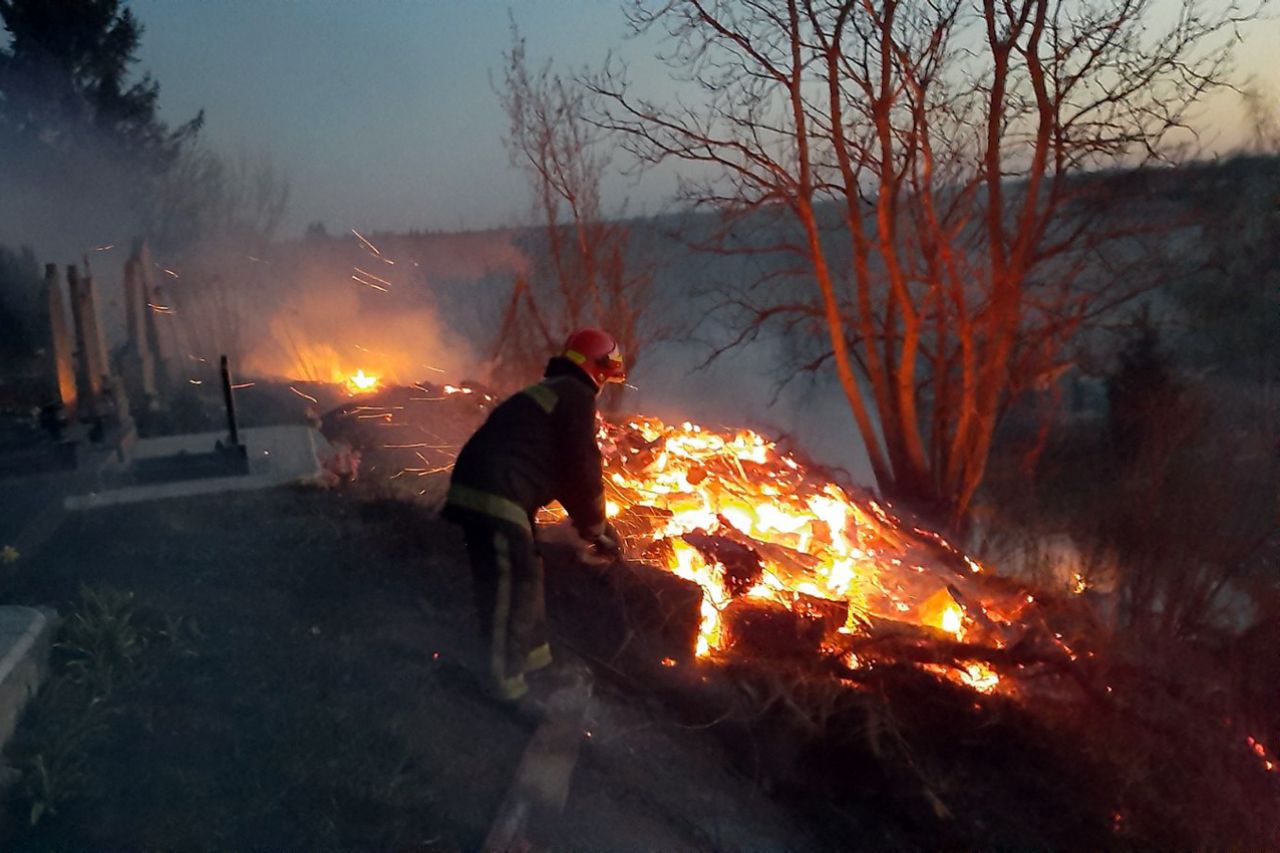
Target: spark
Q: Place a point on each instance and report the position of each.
(303, 396)
(368, 245)
(160, 309)
(243, 385)
(106, 248)
(196, 381)
(372, 276)
(425, 444)
(1261, 751)
(425, 472)
(369, 284)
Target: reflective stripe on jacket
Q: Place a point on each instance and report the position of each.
(537, 446)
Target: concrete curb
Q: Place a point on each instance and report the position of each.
(179, 489)
(277, 455)
(26, 635)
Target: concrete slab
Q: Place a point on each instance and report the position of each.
(25, 638)
(277, 455)
(32, 506)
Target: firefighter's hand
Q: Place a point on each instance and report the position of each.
(605, 540)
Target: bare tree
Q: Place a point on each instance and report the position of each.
(208, 198)
(212, 219)
(1263, 119)
(585, 268)
(953, 137)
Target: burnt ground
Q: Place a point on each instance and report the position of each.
(290, 670)
(291, 673)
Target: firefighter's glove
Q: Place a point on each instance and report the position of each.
(605, 540)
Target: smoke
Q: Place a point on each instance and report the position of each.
(404, 308)
(326, 330)
(324, 310)
(739, 389)
(61, 214)
(84, 212)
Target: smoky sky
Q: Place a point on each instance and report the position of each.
(382, 112)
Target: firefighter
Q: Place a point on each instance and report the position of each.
(537, 446)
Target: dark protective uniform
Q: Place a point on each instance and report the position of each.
(537, 446)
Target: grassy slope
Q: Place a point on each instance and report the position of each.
(319, 699)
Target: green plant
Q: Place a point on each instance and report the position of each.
(100, 645)
(101, 639)
(50, 752)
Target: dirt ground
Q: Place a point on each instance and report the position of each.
(313, 692)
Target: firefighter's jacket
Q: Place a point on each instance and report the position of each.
(537, 446)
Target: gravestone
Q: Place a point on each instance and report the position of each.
(61, 346)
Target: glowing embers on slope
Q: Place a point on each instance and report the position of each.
(744, 520)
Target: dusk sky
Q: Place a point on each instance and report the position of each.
(382, 113)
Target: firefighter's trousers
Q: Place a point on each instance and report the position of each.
(506, 572)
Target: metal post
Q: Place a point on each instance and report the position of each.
(230, 399)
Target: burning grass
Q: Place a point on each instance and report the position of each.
(791, 562)
(805, 581)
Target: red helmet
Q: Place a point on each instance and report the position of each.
(598, 354)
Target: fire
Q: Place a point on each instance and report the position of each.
(359, 383)
(745, 520)
(1268, 763)
(980, 677)
(357, 372)
(951, 620)
(941, 611)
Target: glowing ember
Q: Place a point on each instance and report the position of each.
(941, 611)
(980, 677)
(973, 674)
(1259, 750)
(359, 383)
(951, 620)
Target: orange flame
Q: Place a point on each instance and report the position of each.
(813, 539)
(359, 383)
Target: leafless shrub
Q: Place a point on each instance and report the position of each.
(586, 266)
